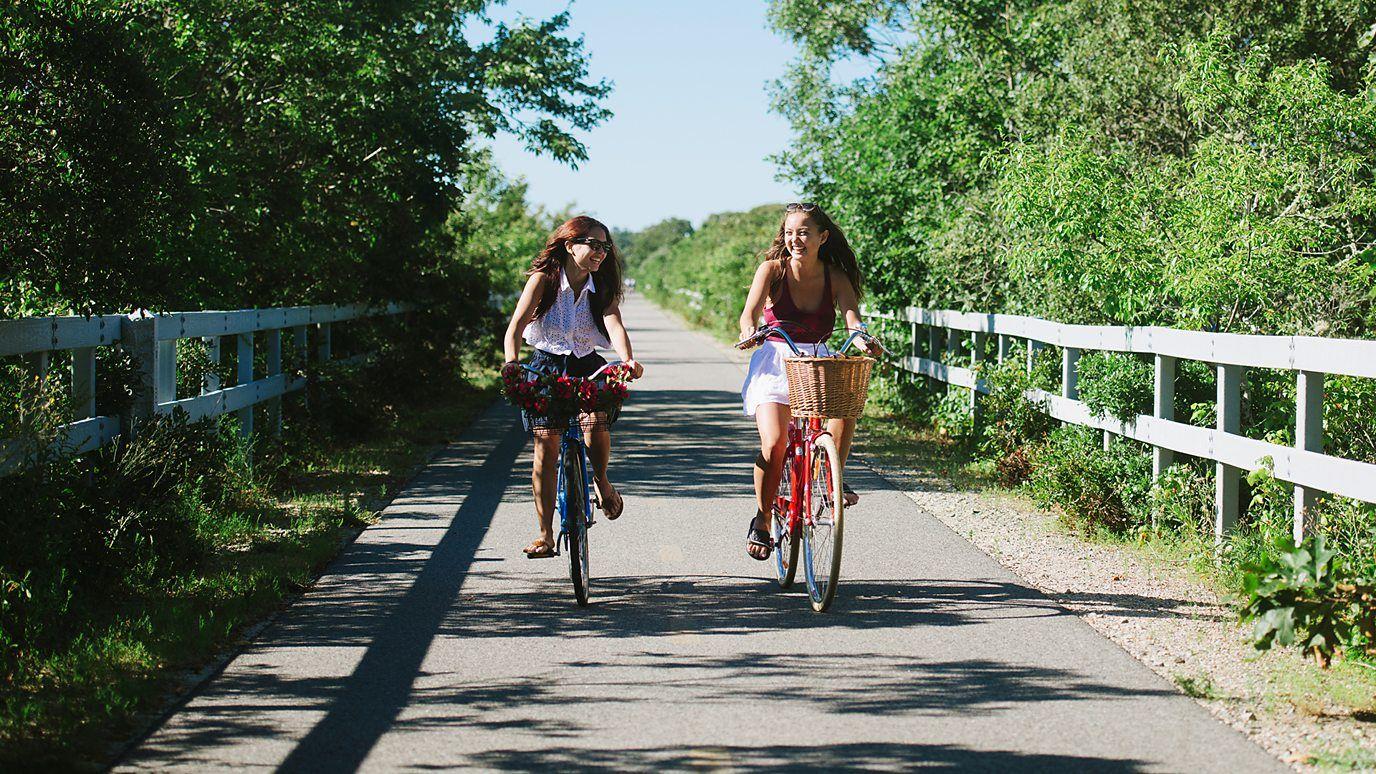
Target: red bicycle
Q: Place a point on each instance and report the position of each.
(809, 510)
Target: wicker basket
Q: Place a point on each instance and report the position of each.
(832, 387)
(546, 425)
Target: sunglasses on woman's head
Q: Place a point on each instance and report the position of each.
(594, 244)
(800, 207)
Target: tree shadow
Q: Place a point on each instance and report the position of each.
(872, 756)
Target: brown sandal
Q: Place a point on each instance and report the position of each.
(540, 549)
(613, 515)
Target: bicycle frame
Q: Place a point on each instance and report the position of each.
(802, 434)
(572, 443)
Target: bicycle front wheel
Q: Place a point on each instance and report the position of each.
(785, 536)
(576, 526)
(822, 524)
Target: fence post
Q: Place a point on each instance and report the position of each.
(211, 383)
(323, 345)
(1226, 477)
(299, 357)
(913, 348)
(1163, 407)
(274, 368)
(244, 375)
(138, 335)
(84, 382)
(1070, 373)
(1005, 345)
(1308, 436)
(934, 353)
(977, 342)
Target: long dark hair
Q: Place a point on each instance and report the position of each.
(834, 252)
(555, 256)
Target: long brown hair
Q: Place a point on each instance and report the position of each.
(834, 252)
(555, 256)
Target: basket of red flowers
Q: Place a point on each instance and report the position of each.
(548, 402)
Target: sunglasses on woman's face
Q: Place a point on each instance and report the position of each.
(596, 245)
(800, 207)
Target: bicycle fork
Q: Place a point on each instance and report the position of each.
(566, 448)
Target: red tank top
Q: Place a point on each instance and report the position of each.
(806, 327)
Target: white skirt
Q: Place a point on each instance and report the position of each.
(765, 382)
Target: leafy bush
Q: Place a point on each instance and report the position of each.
(1092, 487)
(704, 275)
(1013, 420)
(1310, 596)
(1114, 384)
(951, 414)
(1183, 500)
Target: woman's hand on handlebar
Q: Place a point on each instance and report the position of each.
(749, 339)
(636, 368)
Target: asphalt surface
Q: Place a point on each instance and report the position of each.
(433, 643)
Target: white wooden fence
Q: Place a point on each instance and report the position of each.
(152, 340)
(1311, 358)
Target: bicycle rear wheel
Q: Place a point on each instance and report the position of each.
(785, 539)
(576, 526)
(822, 524)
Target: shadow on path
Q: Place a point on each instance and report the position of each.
(778, 758)
(367, 705)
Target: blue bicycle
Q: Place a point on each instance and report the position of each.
(573, 496)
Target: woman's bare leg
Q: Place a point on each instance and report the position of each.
(771, 419)
(599, 441)
(544, 479)
(843, 430)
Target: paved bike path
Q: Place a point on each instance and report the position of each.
(433, 643)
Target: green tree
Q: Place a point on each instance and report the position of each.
(235, 152)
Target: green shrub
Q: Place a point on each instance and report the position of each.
(1183, 500)
(1012, 420)
(1092, 487)
(1310, 596)
(1350, 417)
(1114, 384)
(704, 275)
(951, 414)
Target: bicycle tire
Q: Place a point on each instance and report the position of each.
(823, 525)
(785, 539)
(576, 527)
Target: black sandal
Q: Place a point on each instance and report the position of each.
(846, 490)
(759, 537)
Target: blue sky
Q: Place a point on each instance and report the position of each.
(692, 126)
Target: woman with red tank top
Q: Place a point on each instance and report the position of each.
(808, 274)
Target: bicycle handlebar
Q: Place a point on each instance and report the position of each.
(764, 331)
(594, 375)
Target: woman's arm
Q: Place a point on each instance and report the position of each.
(754, 300)
(525, 308)
(621, 340)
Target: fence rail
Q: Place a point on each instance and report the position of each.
(1304, 465)
(152, 340)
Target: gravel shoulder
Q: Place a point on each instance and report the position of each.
(1159, 611)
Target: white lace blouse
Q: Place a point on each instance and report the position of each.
(568, 328)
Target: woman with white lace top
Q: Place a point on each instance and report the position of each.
(571, 305)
